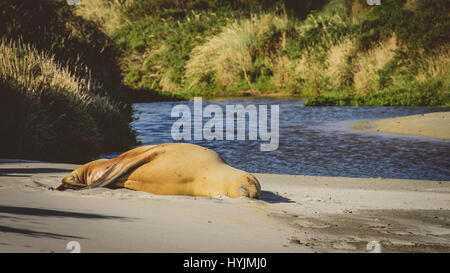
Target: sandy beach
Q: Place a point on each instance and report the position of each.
(433, 125)
(295, 214)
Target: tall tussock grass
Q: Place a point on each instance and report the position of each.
(52, 26)
(339, 67)
(370, 63)
(108, 14)
(234, 54)
(49, 112)
(435, 65)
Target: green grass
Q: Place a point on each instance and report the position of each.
(156, 48)
(211, 48)
(307, 48)
(434, 93)
(304, 48)
(399, 56)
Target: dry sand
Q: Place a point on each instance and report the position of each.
(295, 214)
(434, 125)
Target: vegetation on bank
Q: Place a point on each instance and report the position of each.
(335, 52)
(66, 71)
(61, 97)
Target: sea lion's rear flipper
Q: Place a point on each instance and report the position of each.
(69, 185)
(124, 166)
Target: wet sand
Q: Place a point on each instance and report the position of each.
(433, 125)
(295, 214)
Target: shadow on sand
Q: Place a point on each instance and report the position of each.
(30, 171)
(271, 197)
(33, 233)
(56, 213)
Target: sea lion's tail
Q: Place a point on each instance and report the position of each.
(66, 186)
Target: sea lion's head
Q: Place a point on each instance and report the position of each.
(246, 185)
(250, 188)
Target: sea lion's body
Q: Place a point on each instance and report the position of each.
(167, 169)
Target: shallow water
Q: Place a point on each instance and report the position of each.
(315, 141)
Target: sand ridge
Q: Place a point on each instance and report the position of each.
(433, 125)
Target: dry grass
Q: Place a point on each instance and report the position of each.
(435, 65)
(357, 7)
(410, 5)
(35, 72)
(106, 13)
(52, 114)
(281, 72)
(368, 64)
(339, 71)
(227, 57)
(309, 72)
(166, 84)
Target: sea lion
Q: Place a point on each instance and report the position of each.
(166, 169)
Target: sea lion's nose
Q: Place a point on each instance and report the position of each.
(250, 188)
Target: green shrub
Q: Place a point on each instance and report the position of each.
(159, 47)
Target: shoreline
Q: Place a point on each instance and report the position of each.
(148, 96)
(433, 125)
(295, 214)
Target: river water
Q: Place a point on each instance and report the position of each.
(315, 141)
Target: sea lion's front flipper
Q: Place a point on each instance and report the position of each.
(124, 166)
